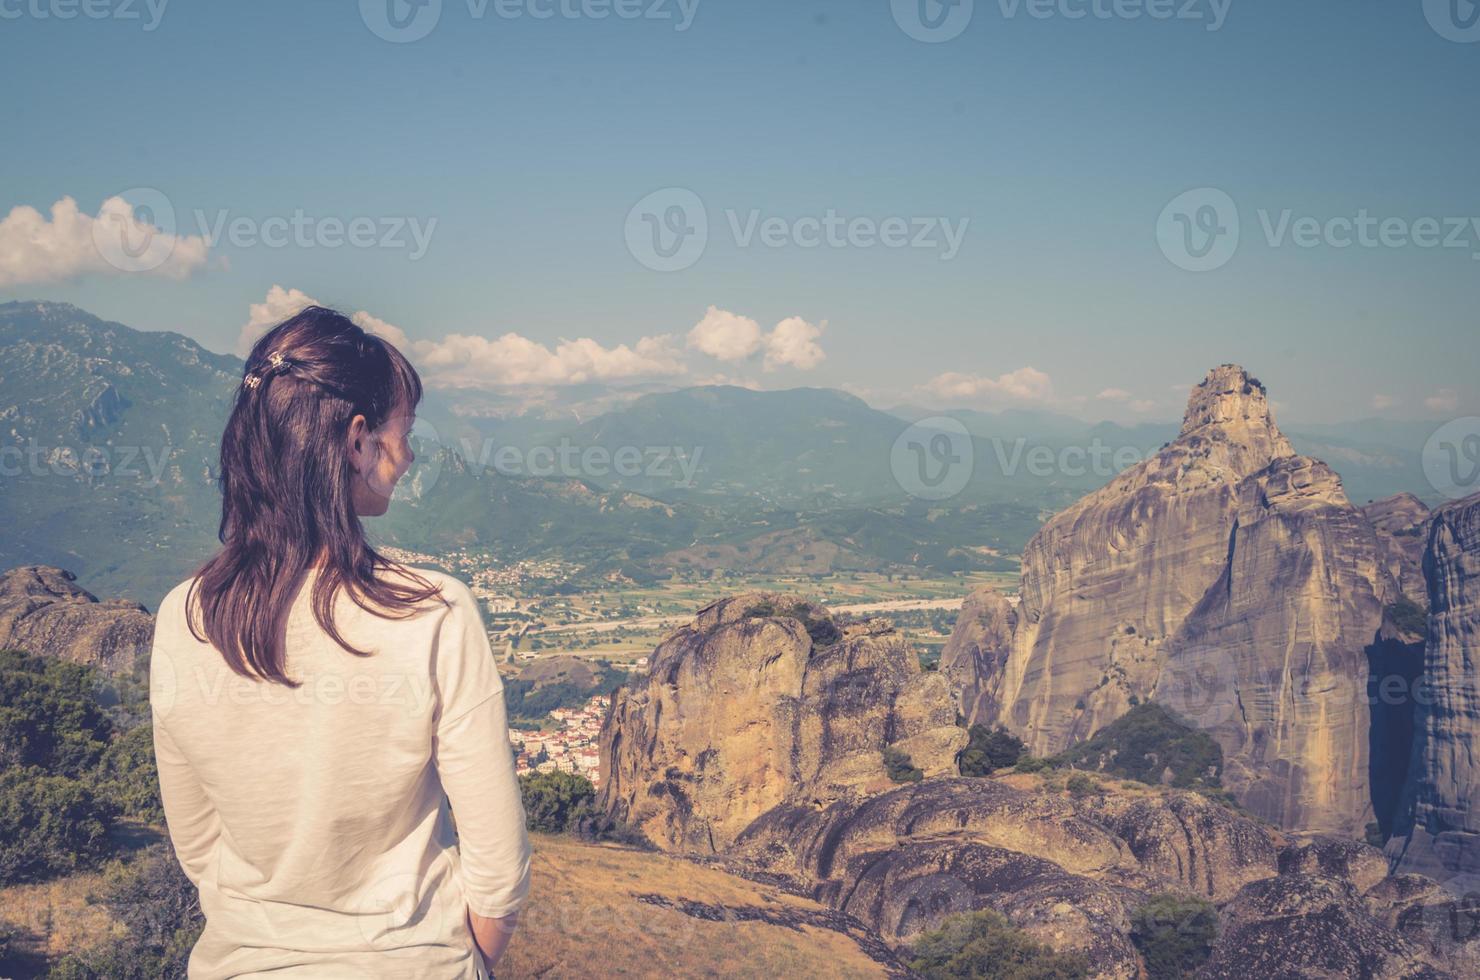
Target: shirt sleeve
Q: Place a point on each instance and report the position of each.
(194, 826)
(476, 763)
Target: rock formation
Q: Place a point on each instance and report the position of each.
(1225, 576)
(1069, 871)
(1402, 523)
(42, 612)
(756, 743)
(761, 700)
(1439, 832)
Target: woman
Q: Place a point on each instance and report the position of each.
(318, 708)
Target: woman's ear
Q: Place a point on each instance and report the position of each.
(361, 452)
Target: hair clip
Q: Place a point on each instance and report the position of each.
(251, 381)
(276, 359)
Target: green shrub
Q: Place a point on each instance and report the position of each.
(50, 717)
(985, 946)
(1081, 785)
(821, 629)
(1144, 743)
(129, 777)
(989, 750)
(1175, 935)
(900, 766)
(50, 825)
(554, 802)
(1032, 763)
(1408, 616)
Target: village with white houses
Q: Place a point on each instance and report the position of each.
(570, 748)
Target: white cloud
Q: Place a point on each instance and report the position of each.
(261, 317)
(469, 361)
(1026, 384)
(1142, 405)
(1381, 402)
(1114, 395)
(793, 343)
(730, 337)
(1443, 400)
(34, 249)
(726, 336)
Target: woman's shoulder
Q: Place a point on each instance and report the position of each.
(452, 591)
(172, 606)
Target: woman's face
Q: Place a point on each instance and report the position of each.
(380, 458)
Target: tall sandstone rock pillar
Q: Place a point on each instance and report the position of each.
(1225, 576)
(1440, 830)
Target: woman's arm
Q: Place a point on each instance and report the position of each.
(193, 823)
(492, 935)
(475, 763)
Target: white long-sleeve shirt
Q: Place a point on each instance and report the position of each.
(315, 820)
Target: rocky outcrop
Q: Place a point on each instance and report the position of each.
(756, 742)
(1069, 871)
(1439, 830)
(762, 700)
(1228, 578)
(1308, 926)
(978, 646)
(1402, 529)
(43, 613)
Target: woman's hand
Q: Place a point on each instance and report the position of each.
(492, 935)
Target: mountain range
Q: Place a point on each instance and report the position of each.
(108, 437)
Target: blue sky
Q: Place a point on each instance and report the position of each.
(1052, 145)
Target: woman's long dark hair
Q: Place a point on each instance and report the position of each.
(286, 493)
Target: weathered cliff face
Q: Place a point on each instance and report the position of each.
(42, 612)
(1439, 829)
(762, 700)
(1226, 577)
(978, 646)
(1273, 660)
(1402, 523)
